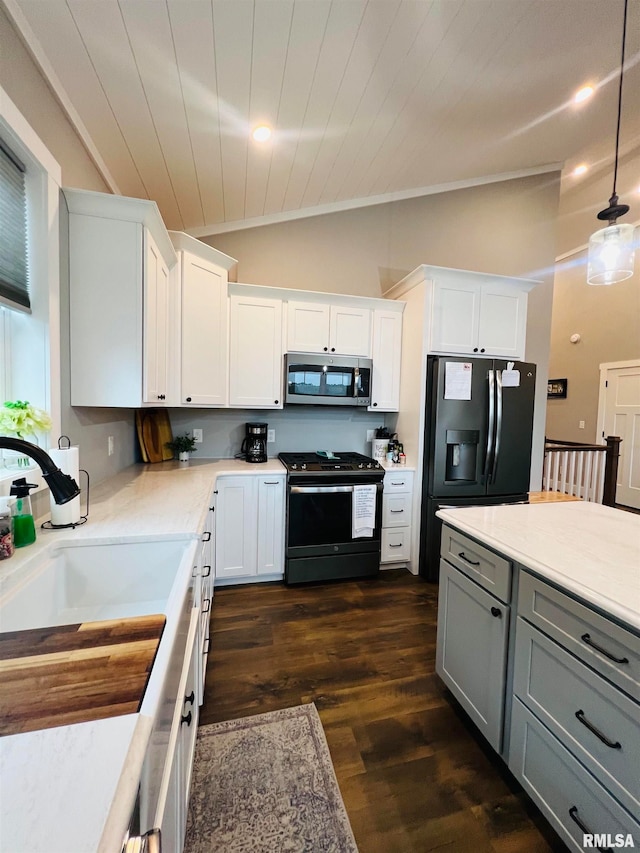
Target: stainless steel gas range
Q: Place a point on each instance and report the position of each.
(326, 500)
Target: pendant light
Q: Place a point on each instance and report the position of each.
(611, 249)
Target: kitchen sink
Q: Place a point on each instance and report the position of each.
(88, 581)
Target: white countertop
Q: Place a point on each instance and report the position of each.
(71, 789)
(592, 551)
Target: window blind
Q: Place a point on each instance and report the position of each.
(14, 273)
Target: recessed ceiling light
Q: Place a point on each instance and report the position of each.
(583, 94)
(580, 170)
(261, 133)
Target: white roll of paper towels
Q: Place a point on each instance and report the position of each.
(68, 461)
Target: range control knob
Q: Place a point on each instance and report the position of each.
(361, 465)
(303, 466)
(294, 465)
(369, 465)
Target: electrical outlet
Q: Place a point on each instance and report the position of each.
(197, 436)
(271, 436)
(110, 445)
(371, 434)
(580, 424)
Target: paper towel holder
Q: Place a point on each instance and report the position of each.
(49, 525)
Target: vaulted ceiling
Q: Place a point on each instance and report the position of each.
(368, 99)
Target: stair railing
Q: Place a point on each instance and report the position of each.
(587, 471)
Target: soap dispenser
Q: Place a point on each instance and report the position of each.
(24, 529)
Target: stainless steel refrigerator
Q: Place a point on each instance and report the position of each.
(477, 448)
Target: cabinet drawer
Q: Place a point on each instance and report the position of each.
(487, 568)
(398, 481)
(562, 788)
(575, 704)
(396, 510)
(611, 650)
(396, 544)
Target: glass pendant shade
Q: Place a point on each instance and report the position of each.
(611, 254)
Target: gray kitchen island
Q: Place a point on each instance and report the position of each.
(539, 641)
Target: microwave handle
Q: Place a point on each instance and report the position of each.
(357, 382)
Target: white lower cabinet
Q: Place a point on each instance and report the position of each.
(249, 532)
(397, 499)
(471, 653)
(171, 815)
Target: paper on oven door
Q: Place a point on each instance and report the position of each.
(363, 511)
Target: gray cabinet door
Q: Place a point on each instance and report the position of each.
(472, 649)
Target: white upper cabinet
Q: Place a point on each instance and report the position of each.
(203, 276)
(256, 365)
(156, 310)
(325, 327)
(387, 349)
(477, 314)
(120, 256)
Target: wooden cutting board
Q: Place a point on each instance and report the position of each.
(154, 431)
(73, 673)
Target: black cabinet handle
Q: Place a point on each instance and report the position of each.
(605, 740)
(208, 642)
(467, 560)
(188, 399)
(586, 638)
(397, 510)
(207, 573)
(207, 533)
(186, 719)
(326, 349)
(276, 402)
(396, 546)
(495, 611)
(482, 350)
(161, 396)
(207, 605)
(573, 814)
(374, 404)
(475, 349)
(190, 699)
(333, 349)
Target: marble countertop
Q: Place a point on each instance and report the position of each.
(72, 788)
(592, 551)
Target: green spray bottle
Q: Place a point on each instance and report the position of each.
(24, 529)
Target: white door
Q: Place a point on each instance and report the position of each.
(236, 527)
(503, 321)
(456, 309)
(204, 334)
(256, 364)
(350, 331)
(307, 327)
(271, 501)
(387, 350)
(156, 313)
(619, 414)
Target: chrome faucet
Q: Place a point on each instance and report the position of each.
(63, 487)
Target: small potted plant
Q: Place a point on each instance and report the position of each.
(182, 446)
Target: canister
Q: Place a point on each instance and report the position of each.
(6, 530)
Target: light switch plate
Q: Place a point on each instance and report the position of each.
(371, 434)
(197, 436)
(271, 436)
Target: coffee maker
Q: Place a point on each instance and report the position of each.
(254, 445)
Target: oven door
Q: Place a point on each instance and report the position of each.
(319, 521)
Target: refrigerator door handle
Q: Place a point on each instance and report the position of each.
(488, 463)
(494, 467)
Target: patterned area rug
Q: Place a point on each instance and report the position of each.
(266, 784)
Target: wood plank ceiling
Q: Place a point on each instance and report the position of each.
(369, 99)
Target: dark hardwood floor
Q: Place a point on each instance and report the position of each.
(414, 773)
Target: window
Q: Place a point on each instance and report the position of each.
(14, 289)
(30, 342)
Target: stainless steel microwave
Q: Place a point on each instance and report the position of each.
(327, 380)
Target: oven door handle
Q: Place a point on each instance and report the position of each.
(313, 490)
